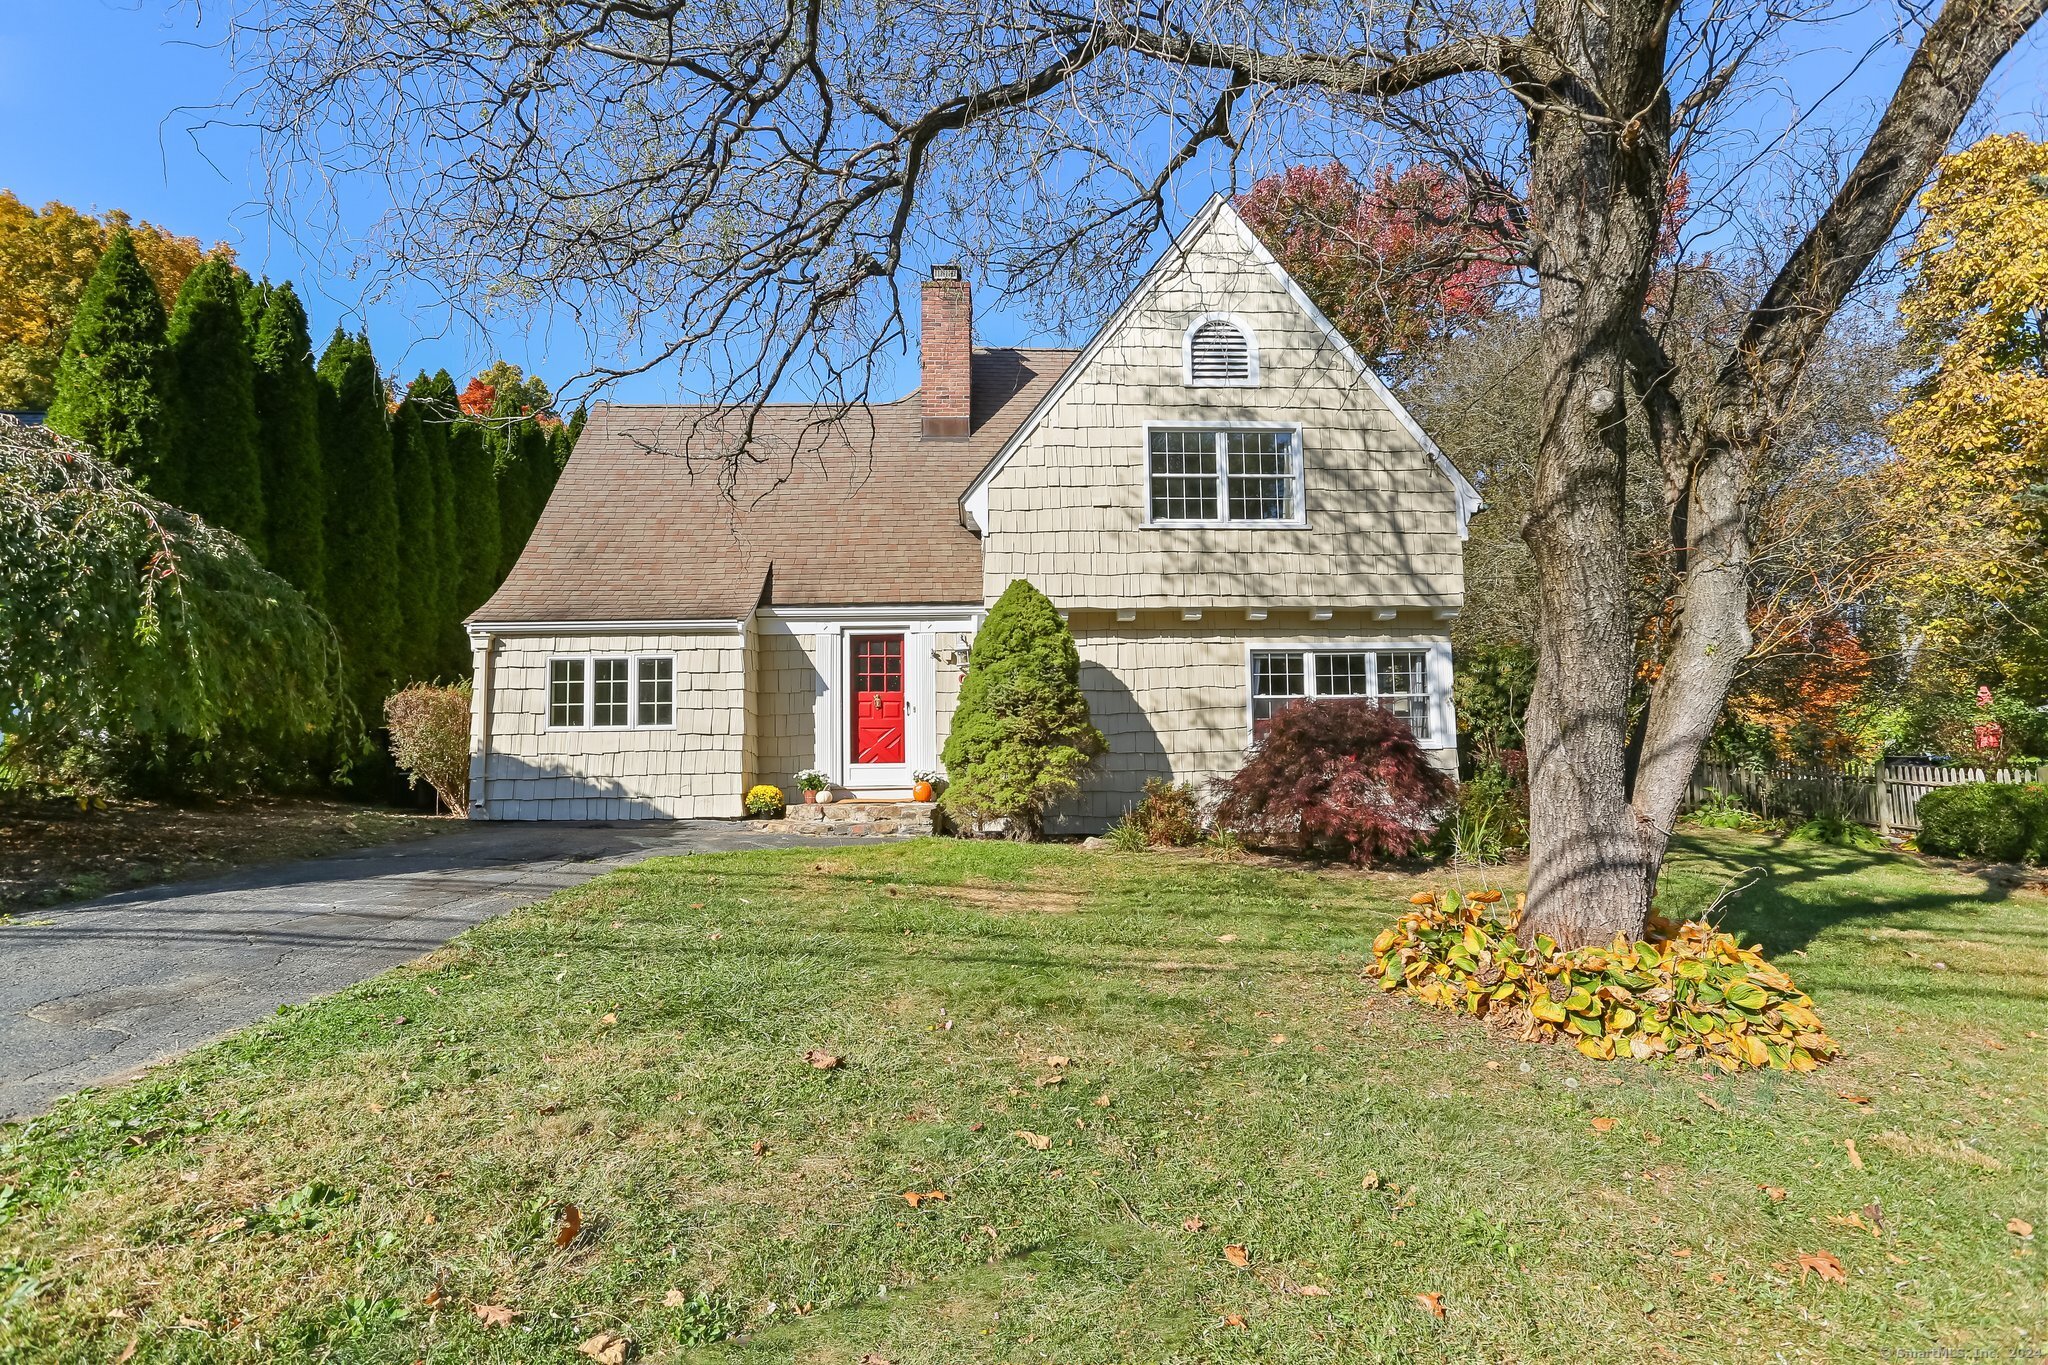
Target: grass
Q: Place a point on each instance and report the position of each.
(636, 1047)
(53, 851)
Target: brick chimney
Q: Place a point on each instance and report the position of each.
(947, 349)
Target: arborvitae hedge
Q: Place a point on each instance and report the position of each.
(209, 437)
(362, 519)
(1021, 735)
(288, 427)
(109, 385)
(439, 408)
(419, 551)
(476, 515)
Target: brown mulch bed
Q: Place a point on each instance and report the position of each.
(51, 851)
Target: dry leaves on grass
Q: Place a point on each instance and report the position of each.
(1233, 1319)
(2020, 1228)
(1603, 1125)
(916, 1199)
(1313, 1291)
(1824, 1264)
(1775, 1192)
(1192, 1225)
(567, 1225)
(493, 1314)
(823, 1060)
(1237, 1256)
(606, 1348)
(1037, 1142)
(1433, 1302)
(1855, 1157)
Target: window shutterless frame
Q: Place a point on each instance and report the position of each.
(1232, 482)
(603, 690)
(1412, 676)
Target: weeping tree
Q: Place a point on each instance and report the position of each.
(127, 623)
(741, 198)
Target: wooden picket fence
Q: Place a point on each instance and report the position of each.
(1884, 796)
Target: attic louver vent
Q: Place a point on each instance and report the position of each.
(1219, 353)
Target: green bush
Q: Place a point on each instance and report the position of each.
(2004, 821)
(1021, 736)
(1724, 810)
(1169, 815)
(1837, 831)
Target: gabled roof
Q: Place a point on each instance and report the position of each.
(833, 508)
(974, 502)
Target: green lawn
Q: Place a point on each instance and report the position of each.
(637, 1048)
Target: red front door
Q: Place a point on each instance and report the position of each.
(877, 667)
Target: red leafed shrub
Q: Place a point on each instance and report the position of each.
(1338, 778)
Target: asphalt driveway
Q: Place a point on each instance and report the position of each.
(94, 992)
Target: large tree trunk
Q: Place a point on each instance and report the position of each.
(1598, 132)
(1734, 423)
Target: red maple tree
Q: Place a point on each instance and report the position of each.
(478, 399)
(1414, 256)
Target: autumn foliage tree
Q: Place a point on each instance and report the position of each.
(1396, 264)
(46, 260)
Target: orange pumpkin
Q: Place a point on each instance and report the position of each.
(921, 792)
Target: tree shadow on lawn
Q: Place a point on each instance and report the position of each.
(1782, 895)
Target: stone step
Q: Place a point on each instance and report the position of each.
(869, 819)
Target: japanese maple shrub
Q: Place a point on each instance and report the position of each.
(1021, 735)
(1337, 778)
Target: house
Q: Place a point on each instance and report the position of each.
(1226, 503)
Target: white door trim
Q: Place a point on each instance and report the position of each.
(830, 716)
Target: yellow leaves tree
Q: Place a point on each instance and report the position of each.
(45, 260)
(1972, 435)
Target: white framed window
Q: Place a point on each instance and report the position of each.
(565, 692)
(657, 683)
(1220, 350)
(608, 708)
(611, 692)
(1223, 476)
(1407, 681)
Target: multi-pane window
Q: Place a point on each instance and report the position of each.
(1277, 681)
(1397, 679)
(657, 691)
(1224, 477)
(608, 692)
(611, 691)
(565, 692)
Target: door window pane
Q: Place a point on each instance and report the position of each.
(657, 691)
(565, 692)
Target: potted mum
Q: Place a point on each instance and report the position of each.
(817, 788)
(924, 785)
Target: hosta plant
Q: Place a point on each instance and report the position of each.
(1687, 991)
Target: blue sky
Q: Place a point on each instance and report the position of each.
(105, 105)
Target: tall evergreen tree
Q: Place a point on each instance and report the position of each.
(419, 588)
(110, 383)
(439, 408)
(210, 462)
(362, 520)
(511, 454)
(476, 515)
(288, 427)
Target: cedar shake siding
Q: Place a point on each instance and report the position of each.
(1068, 509)
(1332, 555)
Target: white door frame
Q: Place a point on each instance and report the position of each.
(925, 631)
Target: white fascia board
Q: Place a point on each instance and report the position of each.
(974, 502)
(690, 627)
(1468, 497)
(920, 616)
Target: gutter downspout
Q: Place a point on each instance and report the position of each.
(479, 796)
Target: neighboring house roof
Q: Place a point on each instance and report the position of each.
(831, 508)
(974, 501)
